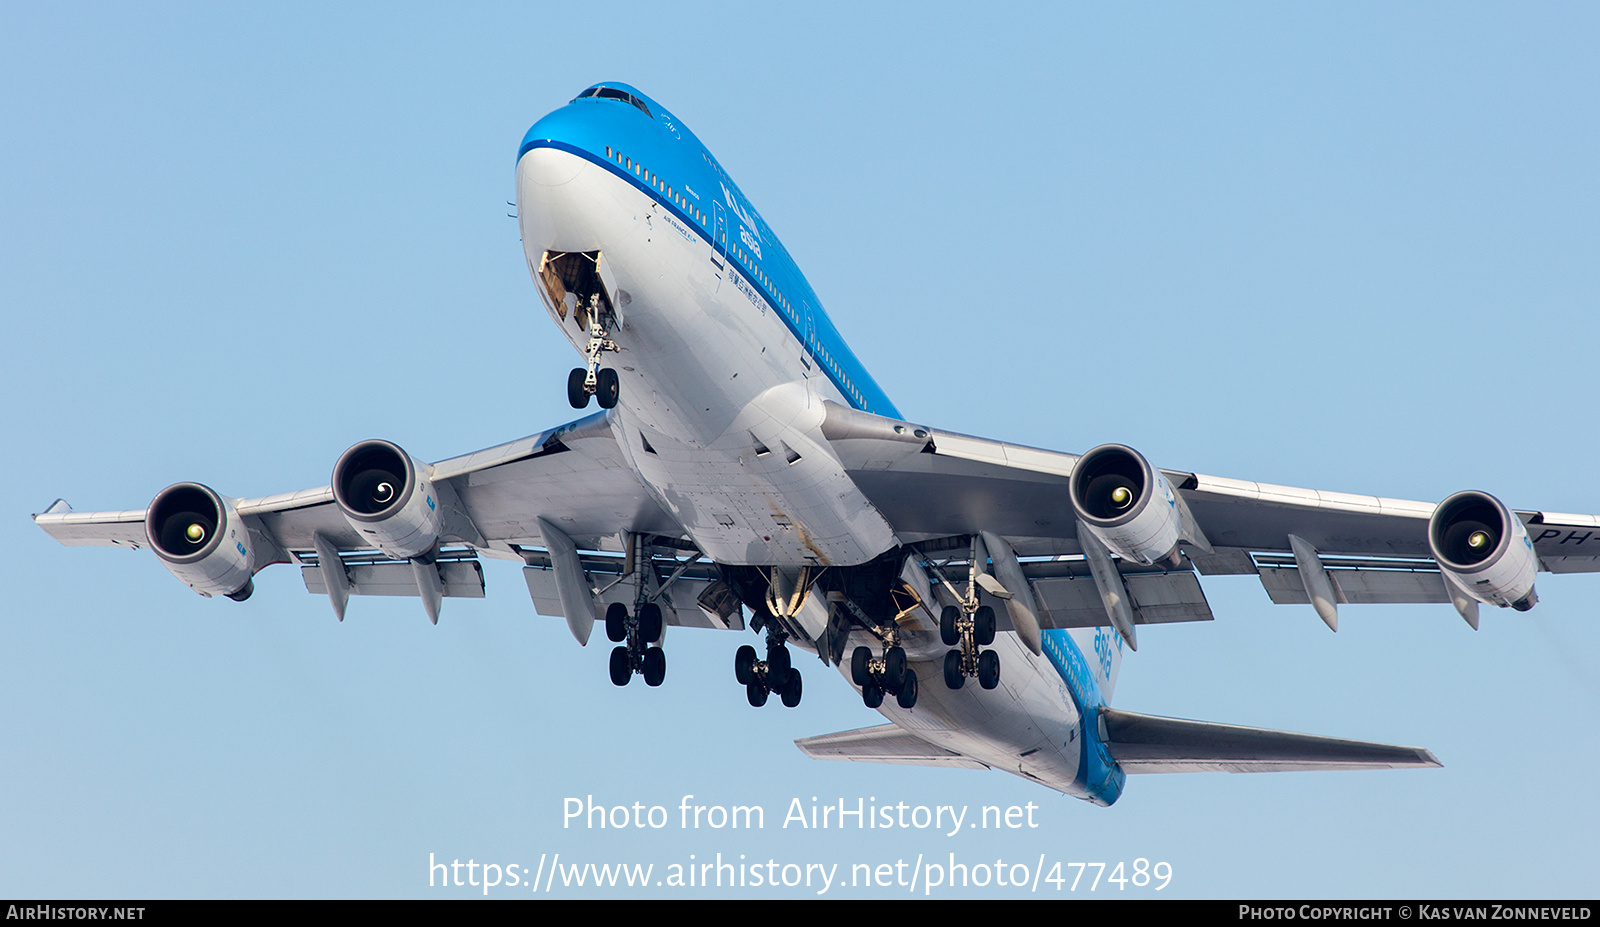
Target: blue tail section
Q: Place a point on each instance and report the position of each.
(1098, 773)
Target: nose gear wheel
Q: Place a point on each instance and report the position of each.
(592, 379)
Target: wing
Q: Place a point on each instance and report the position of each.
(1305, 546)
(535, 500)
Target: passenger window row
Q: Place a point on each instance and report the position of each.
(689, 208)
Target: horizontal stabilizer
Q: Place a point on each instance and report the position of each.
(1152, 744)
(885, 743)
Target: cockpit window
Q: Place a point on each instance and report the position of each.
(612, 93)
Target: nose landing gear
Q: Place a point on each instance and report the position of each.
(592, 379)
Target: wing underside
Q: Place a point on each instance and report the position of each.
(574, 478)
(1152, 744)
(1369, 549)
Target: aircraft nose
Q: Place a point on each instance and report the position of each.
(548, 167)
(551, 206)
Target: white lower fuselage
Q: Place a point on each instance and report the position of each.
(710, 376)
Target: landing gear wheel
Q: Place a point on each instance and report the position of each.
(988, 669)
(894, 668)
(947, 626)
(859, 674)
(621, 666)
(907, 696)
(577, 387)
(744, 660)
(655, 666)
(616, 622)
(983, 626)
(606, 387)
(952, 670)
(756, 693)
(871, 695)
(649, 622)
(791, 691)
(778, 667)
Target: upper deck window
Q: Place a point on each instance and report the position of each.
(611, 93)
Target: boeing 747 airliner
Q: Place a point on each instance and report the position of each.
(744, 471)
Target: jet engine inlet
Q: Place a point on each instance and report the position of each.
(1484, 549)
(387, 498)
(201, 539)
(1126, 503)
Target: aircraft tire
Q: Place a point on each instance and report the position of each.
(947, 626)
(791, 690)
(907, 696)
(756, 693)
(616, 622)
(744, 660)
(871, 695)
(778, 667)
(621, 670)
(952, 670)
(894, 669)
(983, 626)
(988, 669)
(607, 387)
(650, 622)
(859, 674)
(655, 666)
(576, 394)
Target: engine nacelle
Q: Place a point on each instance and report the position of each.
(1484, 549)
(200, 537)
(388, 498)
(1126, 503)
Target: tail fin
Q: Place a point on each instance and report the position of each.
(1152, 744)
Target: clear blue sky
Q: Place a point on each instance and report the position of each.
(1345, 246)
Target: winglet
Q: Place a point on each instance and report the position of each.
(58, 507)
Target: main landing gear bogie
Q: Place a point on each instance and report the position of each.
(761, 678)
(886, 675)
(638, 651)
(969, 634)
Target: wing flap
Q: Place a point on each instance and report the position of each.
(458, 578)
(1157, 598)
(1152, 744)
(1359, 587)
(885, 743)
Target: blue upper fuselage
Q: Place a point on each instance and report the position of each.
(634, 137)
